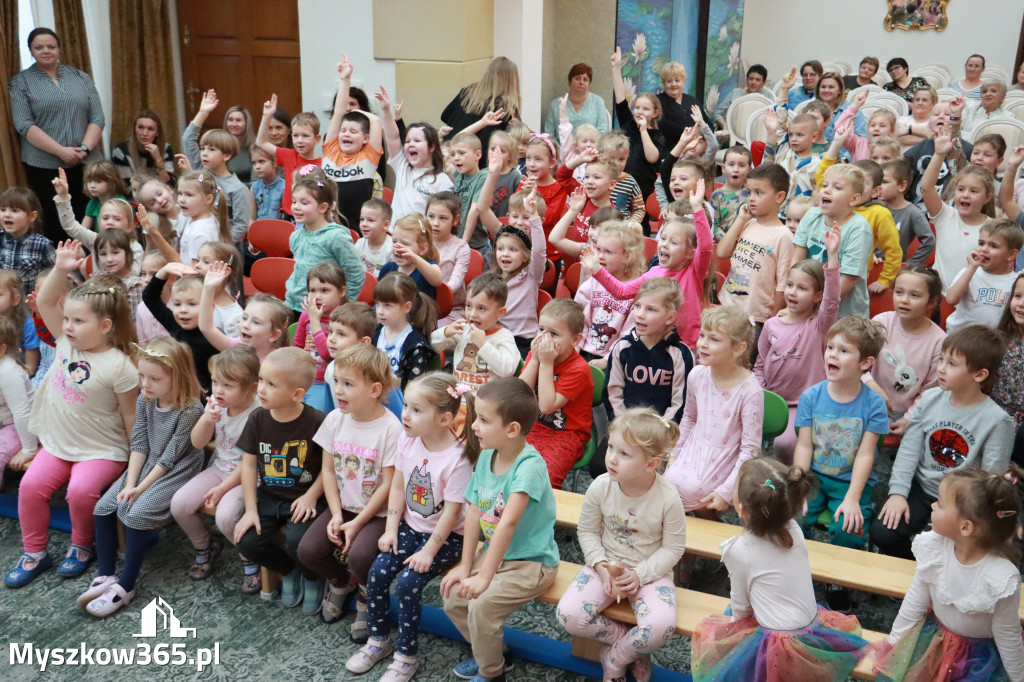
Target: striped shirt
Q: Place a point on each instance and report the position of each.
(62, 110)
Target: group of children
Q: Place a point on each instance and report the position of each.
(335, 422)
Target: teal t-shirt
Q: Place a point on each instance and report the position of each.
(468, 189)
(854, 252)
(534, 537)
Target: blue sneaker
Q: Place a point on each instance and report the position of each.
(291, 589)
(21, 576)
(469, 670)
(312, 596)
(73, 564)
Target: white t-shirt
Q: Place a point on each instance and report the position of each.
(954, 239)
(360, 451)
(431, 479)
(16, 395)
(374, 259)
(226, 455)
(984, 301)
(413, 186)
(227, 317)
(194, 234)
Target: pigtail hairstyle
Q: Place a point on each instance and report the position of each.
(992, 502)
(176, 358)
(445, 393)
(208, 187)
(771, 495)
(398, 287)
(108, 299)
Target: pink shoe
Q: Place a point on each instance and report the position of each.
(110, 602)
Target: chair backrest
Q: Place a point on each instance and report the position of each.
(1011, 129)
(881, 303)
(543, 298)
(550, 276)
(947, 94)
(388, 194)
(996, 73)
(847, 68)
(291, 332)
(940, 67)
(777, 89)
(835, 66)
(356, 236)
(755, 128)
(270, 274)
(872, 89)
(271, 236)
(890, 101)
(1015, 106)
(476, 266)
(366, 292)
(739, 111)
(571, 278)
(775, 417)
(599, 380)
(653, 207)
(650, 248)
(445, 300)
(936, 79)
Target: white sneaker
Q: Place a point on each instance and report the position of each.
(110, 602)
(368, 656)
(97, 587)
(402, 669)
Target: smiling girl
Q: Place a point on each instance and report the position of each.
(146, 148)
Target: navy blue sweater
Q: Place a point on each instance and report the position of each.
(639, 376)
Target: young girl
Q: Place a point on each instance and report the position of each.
(83, 413)
(162, 460)
(418, 166)
(881, 124)
(406, 317)
(102, 183)
(795, 211)
(791, 348)
(23, 248)
(158, 199)
(326, 285)
(359, 442)
(620, 251)
(115, 213)
(541, 162)
(113, 252)
(18, 444)
(767, 637)
(205, 209)
(227, 311)
(13, 307)
(423, 535)
(646, 143)
(632, 531)
(960, 614)
(146, 325)
(909, 362)
(415, 254)
(684, 254)
(267, 187)
(519, 260)
(509, 177)
(319, 239)
(721, 426)
(443, 211)
(264, 323)
(1009, 389)
(235, 373)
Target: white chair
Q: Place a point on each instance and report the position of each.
(755, 129)
(1015, 107)
(739, 111)
(947, 94)
(940, 67)
(768, 94)
(935, 78)
(1011, 129)
(777, 90)
(847, 67)
(834, 66)
(872, 89)
(890, 101)
(881, 78)
(994, 72)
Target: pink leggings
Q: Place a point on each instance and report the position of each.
(86, 481)
(579, 612)
(187, 502)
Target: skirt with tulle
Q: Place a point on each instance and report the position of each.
(932, 653)
(828, 649)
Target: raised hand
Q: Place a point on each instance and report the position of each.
(943, 144)
(1016, 157)
(842, 132)
(68, 256)
(617, 58)
(697, 197)
(589, 258)
(493, 118)
(345, 68)
(60, 184)
(209, 101)
(270, 106)
(399, 105)
(641, 120)
(145, 222)
(833, 237)
(957, 104)
(578, 199)
(183, 162)
(217, 275)
(530, 203)
(589, 154)
(442, 132)
(789, 80)
(698, 119)
(563, 106)
(771, 122)
(383, 98)
(495, 162)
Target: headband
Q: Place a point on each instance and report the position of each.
(153, 356)
(544, 137)
(516, 232)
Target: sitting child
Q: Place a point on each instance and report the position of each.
(910, 220)
(375, 246)
(326, 286)
(350, 324)
(980, 297)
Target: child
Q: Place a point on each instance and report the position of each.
(909, 361)
(598, 184)
(759, 247)
(212, 152)
(796, 209)
(511, 505)
(646, 142)
(405, 317)
(572, 249)
(102, 183)
(359, 441)
(375, 246)
(980, 297)
(541, 162)
(726, 201)
(953, 427)
(281, 480)
(840, 193)
(521, 137)
(626, 195)
(162, 460)
(83, 413)
(465, 157)
(632, 531)
(910, 220)
(146, 325)
(766, 637)
(482, 349)
(885, 149)
(204, 210)
(721, 425)
(18, 444)
(574, 140)
(264, 323)
(988, 153)
(305, 135)
(794, 154)
(326, 285)
(112, 251)
(443, 211)
(424, 529)
(181, 317)
(840, 421)
(415, 254)
(232, 399)
(564, 386)
(648, 366)
(157, 198)
(114, 213)
(967, 579)
(943, 122)
(419, 169)
(14, 308)
(23, 247)
(353, 323)
(227, 311)
(509, 177)
(1008, 393)
(267, 187)
(881, 124)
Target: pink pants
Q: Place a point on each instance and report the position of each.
(579, 612)
(187, 502)
(86, 481)
(10, 444)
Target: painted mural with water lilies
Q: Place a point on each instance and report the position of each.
(722, 70)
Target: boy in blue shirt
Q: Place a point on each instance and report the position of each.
(511, 503)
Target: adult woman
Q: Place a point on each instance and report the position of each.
(676, 104)
(913, 128)
(56, 110)
(902, 83)
(868, 69)
(585, 106)
(146, 148)
(810, 73)
(238, 122)
(993, 92)
(756, 77)
(832, 92)
(279, 129)
(970, 85)
(1019, 85)
(498, 89)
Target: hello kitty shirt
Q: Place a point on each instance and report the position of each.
(359, 450)
(607, 318)
(908, 364)
(431, 479)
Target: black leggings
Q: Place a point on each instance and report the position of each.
(898, 542)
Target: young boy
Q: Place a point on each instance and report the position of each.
(761, 249)
(953, 426)
(564, 386)
(885, 149)
(509, 503)
(281, 474)
(374, 247)
(626, 195)
(840, 422)
(353, 323)
(980, 297)
(910, 220)
(484, 350)
(212, 153)
(795, 155)
(840, 193)
(352, 150)
(726, 201)
(266, 188)
(598, 183)
(465, 159)
(305, 137)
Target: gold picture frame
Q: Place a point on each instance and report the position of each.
(916, 15)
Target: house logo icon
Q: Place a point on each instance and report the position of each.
(158, 615)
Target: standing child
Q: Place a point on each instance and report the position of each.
(103, 182)
(375, 246)
(204, 209)
(235, 374)
(267, 187)
(959, 615)
(726, 201)
(626, 195)
(598, 183)
(163, 458)
(980, 297)
(18, 445)
(793, 150)
(424, 529)
(541, 162)
(465, 159)
(83, 413)
(326, 285)
(512, 509)
(227, 311)
(443, 210)
(305, 135)
(146, 325)
(415, 254)
(115, 213)
(776, 630)
(881, 124)
(23, 247)
(910, 220)
(405, 318)
(509, 177)
(646, 143)
(632, 531)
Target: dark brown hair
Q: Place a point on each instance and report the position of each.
(771, 495)
(992, 502)
(398, 287)
(982, 348)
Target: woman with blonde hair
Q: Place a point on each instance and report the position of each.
(498, 89)
(676, 104)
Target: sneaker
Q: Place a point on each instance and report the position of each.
(368, 656)
(402, 669)
(251, 584)
(76, 562)
(312, 596)
(97, 587)
(481, 678)
(202, 566)
(21, 576)
(468, 669)
(291, 589)
(838, 599)
(110, 602)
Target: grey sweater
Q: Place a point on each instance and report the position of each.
(236, 192)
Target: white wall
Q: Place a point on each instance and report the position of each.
(525, 48)
(785, 33)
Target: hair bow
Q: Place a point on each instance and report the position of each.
(547, 140)
(768, 482)
(306, 170)
(457, 390)
(1010, 477)
(664, 422)
(1004, 514)
(202, 178)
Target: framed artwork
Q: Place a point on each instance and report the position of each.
(916, 15)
